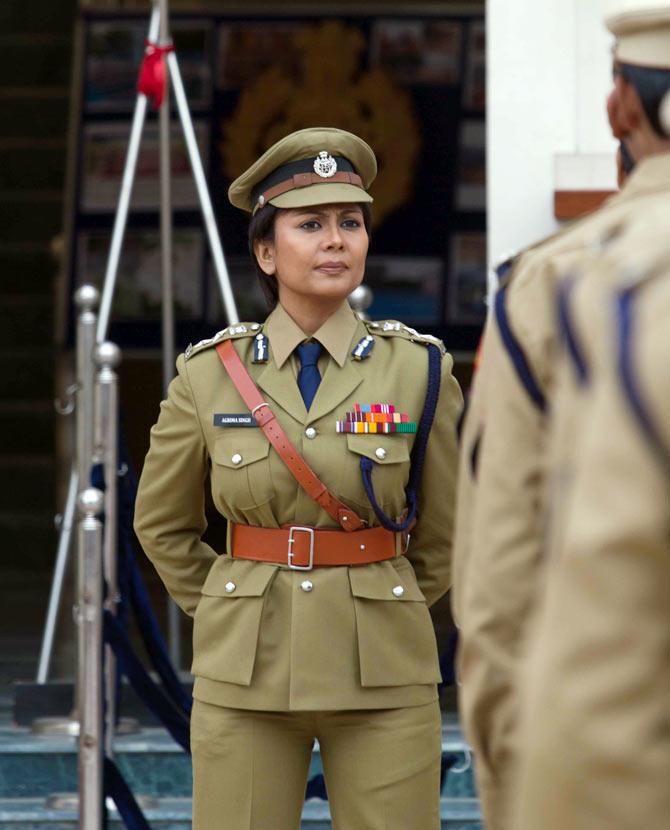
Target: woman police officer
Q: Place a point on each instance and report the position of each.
(327, 440)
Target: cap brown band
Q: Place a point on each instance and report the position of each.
(306, 180)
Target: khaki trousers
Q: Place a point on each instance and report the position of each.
(382, 767)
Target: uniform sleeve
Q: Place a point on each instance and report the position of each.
(429, 549)
(505, 542)
(170, 508)
(472, 438)
(600, 667)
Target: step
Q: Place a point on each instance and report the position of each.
(153, 764)
(34, 59)
(26, 268)
(27, 113)
(27, 373)
(26, 320)
(24, 219)
(37, 16)
(26, 163)
(27, 482)
(30, 534)
(27, 427)
(175, 814)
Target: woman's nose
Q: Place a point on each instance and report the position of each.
(334, 238)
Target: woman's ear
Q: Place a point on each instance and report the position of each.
(264, 253)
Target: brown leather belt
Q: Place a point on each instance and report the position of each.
(304, 548)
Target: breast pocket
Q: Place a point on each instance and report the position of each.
(228, 620)
(396, 638)
(241, 468)
(390, 454)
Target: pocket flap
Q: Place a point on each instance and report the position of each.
(239, 448)
(378, 581)
(394, 447)
(250, 579)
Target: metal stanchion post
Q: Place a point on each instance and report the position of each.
(107, 358)
(90, 686)
(86, 299)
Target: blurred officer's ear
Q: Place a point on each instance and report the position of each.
(642, 92)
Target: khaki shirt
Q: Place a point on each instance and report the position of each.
(350, 642)
(500, 531)
(595, 744)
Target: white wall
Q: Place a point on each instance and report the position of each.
(549, 72)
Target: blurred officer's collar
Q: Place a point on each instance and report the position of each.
(335, 335)
(642, 32)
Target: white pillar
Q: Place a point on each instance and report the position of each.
(549, 70)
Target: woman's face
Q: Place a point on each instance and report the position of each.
(317, 252)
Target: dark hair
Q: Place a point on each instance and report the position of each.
(262, 228)
(651, 85)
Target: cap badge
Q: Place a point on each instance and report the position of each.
(325, 165)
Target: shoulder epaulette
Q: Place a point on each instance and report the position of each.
(503, 267)
(233, 332)
(393, 328)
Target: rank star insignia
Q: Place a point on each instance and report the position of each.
(325, 165)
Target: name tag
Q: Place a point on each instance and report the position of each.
(222, 419)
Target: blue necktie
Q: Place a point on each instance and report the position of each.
(308, 376)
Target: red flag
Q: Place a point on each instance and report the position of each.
(153, 72)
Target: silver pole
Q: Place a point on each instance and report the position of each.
(62, 555)
(89, 618)
(121, 218)
(86, 299)
(174, 635)
(108, 357)
(203, 192)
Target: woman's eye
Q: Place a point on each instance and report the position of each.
(351, 223)
(312, 225)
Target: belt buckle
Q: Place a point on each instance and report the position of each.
(291, 540)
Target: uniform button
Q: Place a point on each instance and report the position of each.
(230, 587)
(398, 591)
(310, 432)
(380, 452)
(237, 458)
(307, 585)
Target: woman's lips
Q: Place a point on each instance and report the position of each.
(332, 267)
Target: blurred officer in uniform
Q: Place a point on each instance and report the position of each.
(500, 527)
(328, 440)
(595, 738)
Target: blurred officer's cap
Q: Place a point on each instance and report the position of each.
(642, 31)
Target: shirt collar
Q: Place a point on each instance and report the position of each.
(335, 335)
(650, 174)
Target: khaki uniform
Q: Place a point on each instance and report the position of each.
(595, 744)
(500, 531)
(351, 642)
